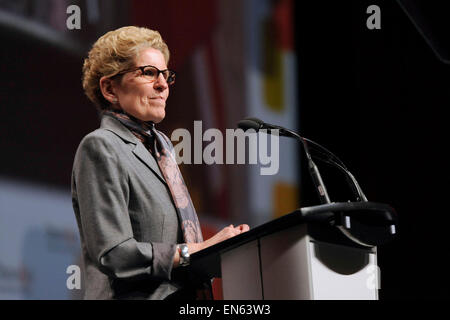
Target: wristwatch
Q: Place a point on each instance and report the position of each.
(184, 254)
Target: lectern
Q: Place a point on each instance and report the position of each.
(322, 252)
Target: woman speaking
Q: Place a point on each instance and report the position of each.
(136, 219)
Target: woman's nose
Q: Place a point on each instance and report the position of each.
(161, 82)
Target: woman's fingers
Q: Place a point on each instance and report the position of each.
(226, 233)
(243, 227)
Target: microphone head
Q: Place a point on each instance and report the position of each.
(258, 121)
(250, 123)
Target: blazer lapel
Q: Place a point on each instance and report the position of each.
(144, 155)
(113, 125)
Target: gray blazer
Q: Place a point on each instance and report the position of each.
(126, 217)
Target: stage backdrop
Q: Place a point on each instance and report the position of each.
(233, 59)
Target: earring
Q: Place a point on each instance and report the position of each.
(114, 100)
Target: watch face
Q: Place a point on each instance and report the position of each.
(184, 255)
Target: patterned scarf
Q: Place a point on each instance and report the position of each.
(161, 148)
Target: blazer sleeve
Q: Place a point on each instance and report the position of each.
(102, 193)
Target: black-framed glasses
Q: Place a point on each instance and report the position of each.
(152, 73)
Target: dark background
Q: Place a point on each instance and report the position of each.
(378, 99)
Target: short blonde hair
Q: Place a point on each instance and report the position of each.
(114, 52)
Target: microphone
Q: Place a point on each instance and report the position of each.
(326, 156)
(257, 124)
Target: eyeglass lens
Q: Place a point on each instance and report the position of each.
(152, 73)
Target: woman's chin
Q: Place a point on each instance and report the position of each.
(158, 117)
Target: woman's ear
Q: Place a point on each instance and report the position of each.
(107, 88)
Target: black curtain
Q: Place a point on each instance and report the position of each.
(378, 99)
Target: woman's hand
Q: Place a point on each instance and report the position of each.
(225, 233)
(222, 235)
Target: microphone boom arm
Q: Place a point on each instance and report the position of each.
(359, 194)
(313, 170)
(330, 158)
